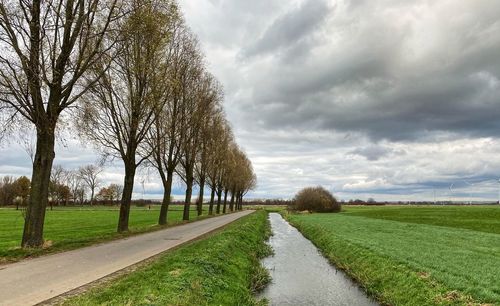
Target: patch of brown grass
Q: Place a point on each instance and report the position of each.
(47, 244)
(175, 272)
(424, 275)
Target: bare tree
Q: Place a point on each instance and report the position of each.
(213, 118)
(219, 143)
(188, 80)
(230, 165)
(245, 180)
(127, 98)
(201, 105)
(47, 46)
(57, 178)
(89, 174)
(239, 177)
(165, 136)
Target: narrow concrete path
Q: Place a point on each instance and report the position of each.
(35, 280)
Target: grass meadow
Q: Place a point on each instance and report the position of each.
(414, 255)
(73, 227)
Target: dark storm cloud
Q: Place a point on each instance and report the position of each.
(384, 97)
(290, 29)
(383, 78)
(375, 152)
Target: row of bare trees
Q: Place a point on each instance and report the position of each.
(156, 104)
(65, 186)
(135, 75)
(73, 185)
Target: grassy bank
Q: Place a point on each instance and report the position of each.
(70, 228)
(221, 269)
(414, 255)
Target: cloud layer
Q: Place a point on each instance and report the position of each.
(388, 99)
(385, 98)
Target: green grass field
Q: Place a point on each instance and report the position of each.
(414, 255)
(70, 228)
(221, 269)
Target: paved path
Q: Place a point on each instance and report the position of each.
(35, 280)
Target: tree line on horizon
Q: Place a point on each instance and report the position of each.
(129, 77)
(66, 187)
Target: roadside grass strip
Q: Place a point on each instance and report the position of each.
(221, 269)
(402, 263)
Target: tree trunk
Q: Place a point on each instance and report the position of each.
(219, 195)
(211, 206)
(225, 202)
(238, 200)
(39, 194)
(92, 190)
(231, 204)
(200, 197)
(167, 191)
(187, 200)
(128, 187)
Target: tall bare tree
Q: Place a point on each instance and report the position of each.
(244, 179)
(206, 104)
(47, 46)
(165, 136)
(89, 174)
(57, 178)
(192, 113)
(238, 177)
(76, 185)
(219, 144)
(231, 166)
(127, 97)
(213, 117)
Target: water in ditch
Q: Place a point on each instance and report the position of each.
(302, 276)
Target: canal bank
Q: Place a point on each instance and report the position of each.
(302, 276)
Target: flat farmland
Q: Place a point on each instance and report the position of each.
(73, 227)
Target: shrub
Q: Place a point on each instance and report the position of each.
(315, 199)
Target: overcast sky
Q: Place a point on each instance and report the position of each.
(386, 99)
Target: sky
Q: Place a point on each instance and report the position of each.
(388, 99)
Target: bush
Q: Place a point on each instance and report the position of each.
(315, 199)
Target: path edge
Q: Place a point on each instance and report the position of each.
(57, 300)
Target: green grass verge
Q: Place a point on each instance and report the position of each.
(221, 269)
(71, 228)
(412, 263)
